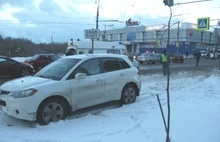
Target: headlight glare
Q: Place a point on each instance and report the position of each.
(24, 93)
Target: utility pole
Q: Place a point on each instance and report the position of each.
(9, 47)
(192, 2)
(97, 15)
(52, 41)
(178, 37)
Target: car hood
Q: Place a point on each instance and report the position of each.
(24, 83)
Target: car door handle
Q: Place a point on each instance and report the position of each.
(122, 74)
(99, 80)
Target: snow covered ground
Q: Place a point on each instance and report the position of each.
(195, 115)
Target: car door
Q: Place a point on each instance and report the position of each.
(3, 67)
(88, 91)
(114, 78)
(8, 67)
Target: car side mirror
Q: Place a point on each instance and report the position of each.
(80, 76)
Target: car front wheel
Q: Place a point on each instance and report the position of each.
(25, 72)
(129, 94)
(51, 110)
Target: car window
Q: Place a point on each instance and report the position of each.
(123, 64)
(41, 57)
(113, 51)
(11, 62)
(3, 61)
(89, 67)
(56, 70)
(46, 57)
(110, 64)
(35, 57)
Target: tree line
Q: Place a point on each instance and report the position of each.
(21, 47)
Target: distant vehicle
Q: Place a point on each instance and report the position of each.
(203, 53)
(69, 84)
(135, 55)
(85, 47)
(150, 58)
(39, 61)
(11, 67)
(177, 57)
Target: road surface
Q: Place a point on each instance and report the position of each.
(189, 64)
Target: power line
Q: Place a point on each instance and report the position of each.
(192, 2)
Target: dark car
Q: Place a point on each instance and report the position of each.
(39, 61)
(177, 57)
(10, 67)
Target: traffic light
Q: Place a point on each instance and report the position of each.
(168, 2)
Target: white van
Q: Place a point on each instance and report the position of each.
(85, 47)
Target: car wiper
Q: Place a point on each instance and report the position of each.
(42, 76)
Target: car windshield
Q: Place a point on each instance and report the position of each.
(57, 69)
(35, 57)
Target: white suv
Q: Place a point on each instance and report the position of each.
(68, 84)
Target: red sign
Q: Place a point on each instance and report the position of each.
(131, 23)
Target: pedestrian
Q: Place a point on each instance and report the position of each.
(187, 53)
(207, 55)
(164, 61)
(213, 55)
(197, 58)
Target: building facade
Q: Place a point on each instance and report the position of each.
(184, 37)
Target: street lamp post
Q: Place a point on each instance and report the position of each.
(52, 41)
(97, 15)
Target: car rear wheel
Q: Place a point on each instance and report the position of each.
(25, 72)
(129, 94)
(51, 110)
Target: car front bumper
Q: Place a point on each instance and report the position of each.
(21, 108)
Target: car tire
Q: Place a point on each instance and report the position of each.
(129, 94)
(51, 110)
(25, 72)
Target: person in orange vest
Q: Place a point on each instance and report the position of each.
(164, 61)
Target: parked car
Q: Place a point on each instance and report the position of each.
(68, 84)
(10, 67)
(177, 57)
(39, 61)
(150, 58)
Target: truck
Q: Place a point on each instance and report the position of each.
(85, 47)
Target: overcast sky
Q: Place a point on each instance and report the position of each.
(39, 20)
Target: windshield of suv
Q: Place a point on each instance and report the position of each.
(57, 69)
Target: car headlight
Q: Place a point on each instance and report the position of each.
(23, 93)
